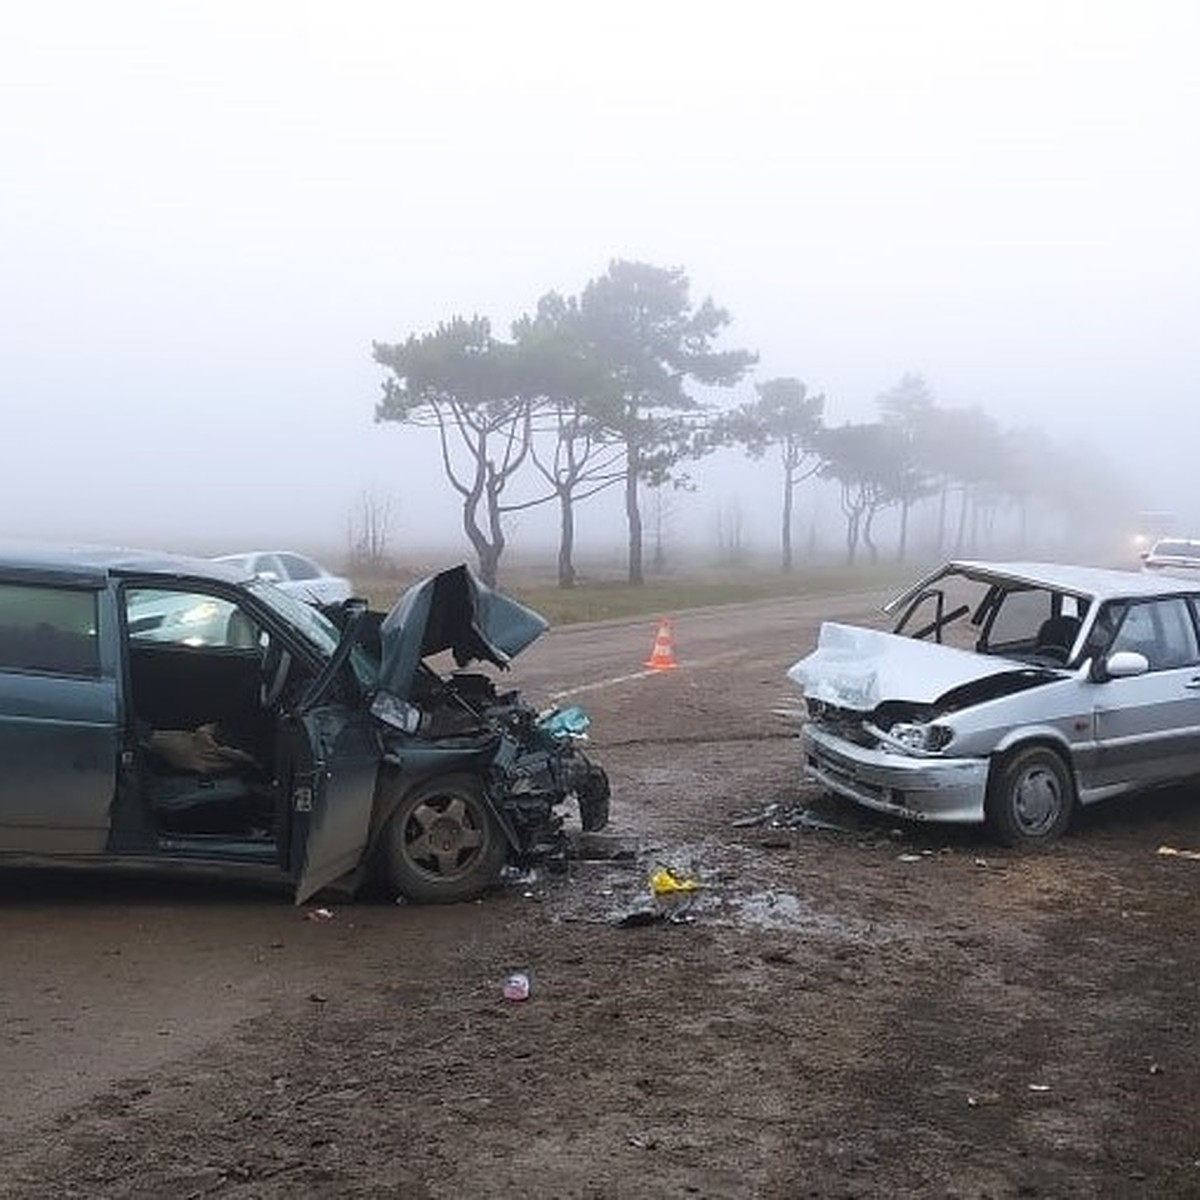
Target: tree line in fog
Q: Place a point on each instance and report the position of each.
(598, 391)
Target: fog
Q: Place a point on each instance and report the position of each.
(210, 210)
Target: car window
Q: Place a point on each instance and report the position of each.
(296, 567)
(316, 628)
(1177, 549)
(268, 565)
(943, 613)
(1023, 615)
(48, 630)
(1019, 617)
(1162, 630)
(187, 618)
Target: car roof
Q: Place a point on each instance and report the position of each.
(85, 561)
(1097, 583)
(242, 554)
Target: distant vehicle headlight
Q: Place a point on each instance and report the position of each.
(928, 739)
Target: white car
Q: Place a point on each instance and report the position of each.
(1174, 556)
(1011, 693)
(293, 573)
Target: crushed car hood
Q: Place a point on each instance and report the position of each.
(860, 668)
(452, 610)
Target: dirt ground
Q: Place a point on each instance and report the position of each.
(843, 1009)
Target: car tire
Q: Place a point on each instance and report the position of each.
(442, 845)
(1031, 796)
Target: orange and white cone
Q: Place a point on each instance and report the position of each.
(662, 658)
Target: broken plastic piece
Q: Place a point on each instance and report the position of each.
(563, 723)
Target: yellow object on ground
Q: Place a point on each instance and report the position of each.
(664, 882)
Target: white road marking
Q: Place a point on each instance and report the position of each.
(602, 683)
(599, 684)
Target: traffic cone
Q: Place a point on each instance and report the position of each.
(662, 658)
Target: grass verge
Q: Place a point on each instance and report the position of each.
(602, 600)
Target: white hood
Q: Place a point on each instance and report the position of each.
(860, 668)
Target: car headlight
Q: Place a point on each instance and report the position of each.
(928, 739)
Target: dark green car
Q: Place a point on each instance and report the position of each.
(167, 710)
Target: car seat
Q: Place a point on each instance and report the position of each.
(1056, 636)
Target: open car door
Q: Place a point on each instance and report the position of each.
(333, 761)
(332, 755)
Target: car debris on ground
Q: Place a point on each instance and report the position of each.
(1172, 852)
(784, 816)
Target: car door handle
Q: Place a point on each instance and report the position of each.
(1193, 684)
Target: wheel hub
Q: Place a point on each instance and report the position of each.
(446, 836)
(1038, 800)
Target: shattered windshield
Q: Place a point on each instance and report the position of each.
(315, 627)
(995, 616)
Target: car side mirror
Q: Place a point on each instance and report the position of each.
(1124, 664)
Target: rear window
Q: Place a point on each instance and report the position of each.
(48, 630)
(1177, 549)
(299, 568)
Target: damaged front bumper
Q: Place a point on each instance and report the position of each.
(919, 789)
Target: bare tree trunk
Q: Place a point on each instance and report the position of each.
(872, 551)
(489, 565)
(960, 537)
(498, 540)
(489, 545)
(633, 516)
(902, 553)
(789, 488)
(566, 540)
(660, 513)
(475, 536)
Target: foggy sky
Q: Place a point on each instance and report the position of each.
(210, 210)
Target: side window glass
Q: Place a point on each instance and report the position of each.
(187, 619)
(1177, 634)
(48, 630)
(1136, 632)
(1019, 617)
(1027, 617)
(1163, 631)
(296, 567)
